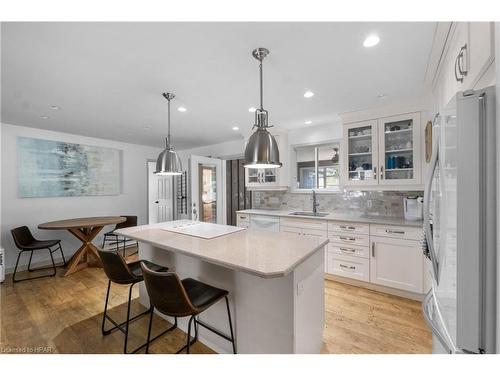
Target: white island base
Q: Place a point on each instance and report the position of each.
(270, 315)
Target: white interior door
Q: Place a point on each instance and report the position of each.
(206, 189)
(160, 196)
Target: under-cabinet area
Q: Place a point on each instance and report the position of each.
(371, 253)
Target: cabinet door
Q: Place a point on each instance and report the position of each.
(252, 177)
(396, 263)
(360, 153)
(399, 150)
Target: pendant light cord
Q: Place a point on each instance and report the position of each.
(261, 88)
(168, 134)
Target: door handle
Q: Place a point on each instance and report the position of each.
(426, 308)
(157, 201)
(373, 249)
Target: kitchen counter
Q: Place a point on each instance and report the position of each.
(358, 218)
(263, 254)
(275, 283)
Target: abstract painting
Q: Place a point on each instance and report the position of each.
(56, 169)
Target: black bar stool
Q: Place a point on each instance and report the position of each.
(179, 298)
(25, 241)
(131, 221)
(120, 272)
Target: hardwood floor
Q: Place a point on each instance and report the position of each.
(64, 314)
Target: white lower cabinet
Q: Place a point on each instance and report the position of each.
(348, 266)
(397, 263)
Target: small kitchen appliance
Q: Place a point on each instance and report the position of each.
(413, 207)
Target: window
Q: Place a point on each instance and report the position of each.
(317, 166)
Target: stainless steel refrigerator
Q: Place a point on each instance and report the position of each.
(460, 226)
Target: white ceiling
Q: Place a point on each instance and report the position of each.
(107, 78)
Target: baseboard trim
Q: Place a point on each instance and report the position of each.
(377, 288)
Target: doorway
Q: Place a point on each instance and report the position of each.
(160, 196)
(206, 189)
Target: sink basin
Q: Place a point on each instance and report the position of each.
(304, 213)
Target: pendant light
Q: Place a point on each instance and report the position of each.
(168, 163)
(261, 150)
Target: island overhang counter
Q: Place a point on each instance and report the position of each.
(275, 283)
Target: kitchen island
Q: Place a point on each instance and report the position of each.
(275, 282)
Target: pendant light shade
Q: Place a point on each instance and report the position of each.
(168, 163)
(261, 150)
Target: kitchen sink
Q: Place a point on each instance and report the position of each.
(305, 213)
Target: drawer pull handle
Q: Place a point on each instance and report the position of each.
(345, 227)
(347, 267)
(347, 250)
(373, 249)
(394, 231)
(350, 239)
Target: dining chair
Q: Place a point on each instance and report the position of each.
(25, 242)
(115, 239)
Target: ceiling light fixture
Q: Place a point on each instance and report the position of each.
(308, 122)
(308, 94)
(55, 107)
(182, 109)
(371, 40)
(168, 163)
(261, 150)
(252, 109)
(44, 117)
(235, 128)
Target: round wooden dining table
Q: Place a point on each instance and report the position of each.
(85, 229)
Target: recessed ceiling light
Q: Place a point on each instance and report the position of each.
(308, 94)
(381, 96)
(371, 40)
(308, 122)
(252, 109)
(235, 128)
(44, 117)
(147, 127)
(182, 109)
(55, 107)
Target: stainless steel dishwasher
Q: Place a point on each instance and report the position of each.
(265, 222)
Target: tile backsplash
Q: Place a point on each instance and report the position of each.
(381, 203)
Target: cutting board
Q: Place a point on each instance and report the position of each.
(199, 229)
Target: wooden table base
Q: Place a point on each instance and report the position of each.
(88, 250)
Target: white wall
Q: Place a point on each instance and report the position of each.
(33, 211)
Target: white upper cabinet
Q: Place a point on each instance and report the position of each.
(360, 161)
(399, 150)
(271, 178)
(383, 152)
(468, 53)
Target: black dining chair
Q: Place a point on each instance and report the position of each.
(115, 239)
(25, 241)
(120, 272)
(181, 298)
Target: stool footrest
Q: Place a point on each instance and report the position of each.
(214, 330)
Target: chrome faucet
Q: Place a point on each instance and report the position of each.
(315, 203)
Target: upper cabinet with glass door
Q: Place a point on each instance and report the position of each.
(361, 155)
(383, 152)
(399, 143)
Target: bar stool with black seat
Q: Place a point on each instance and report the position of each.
(25, 241)
(115, 239)
(120, 272)
(181, 298)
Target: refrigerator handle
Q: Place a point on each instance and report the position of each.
(426, 308)
(427, 200)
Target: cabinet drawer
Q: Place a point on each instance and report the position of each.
(393, 231)
(347, 227)
(304, 223)
(349, 239)
(349, 266)
(242, 217)
(357, 251)
(287, 229)
(304, 231)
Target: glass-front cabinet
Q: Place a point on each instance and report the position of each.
(383, 151)
(399, 149)
(361, 153)
(258, 177)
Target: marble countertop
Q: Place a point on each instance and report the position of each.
(358, 218)
(264, 254)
